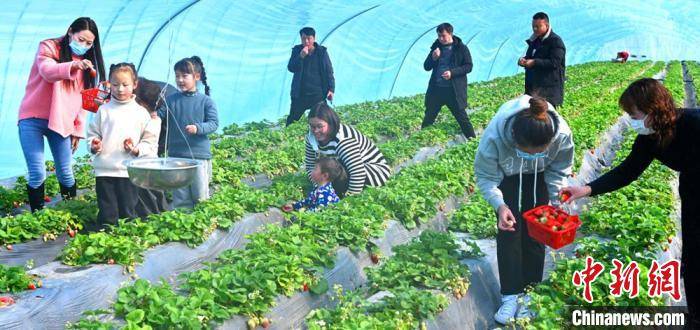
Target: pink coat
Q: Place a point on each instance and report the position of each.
(53, 92)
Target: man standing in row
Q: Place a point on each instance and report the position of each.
(450, 61)
(313, 80)
(544, 62)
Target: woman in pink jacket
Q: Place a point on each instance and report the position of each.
(52, 104)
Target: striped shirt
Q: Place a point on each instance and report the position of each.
(364, 163)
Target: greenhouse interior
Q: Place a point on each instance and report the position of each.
(208, 164)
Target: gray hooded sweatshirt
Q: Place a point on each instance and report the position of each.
(496, 157)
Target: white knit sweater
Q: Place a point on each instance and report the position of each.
(113, 123)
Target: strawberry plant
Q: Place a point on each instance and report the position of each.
(402, 309)
(627, 214)
(101, 247)
(26, 226)
(89, 323)
(290, 187)
(693, 68)
(83, 207)
(430, 262)
(15, 279)
(476, 217)
(145, 304)
(674, 82)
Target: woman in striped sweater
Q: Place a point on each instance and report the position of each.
(364, 163)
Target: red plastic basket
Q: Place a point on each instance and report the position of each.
(544, 233)
(91, 97)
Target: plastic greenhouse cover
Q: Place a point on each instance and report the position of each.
(377, 47)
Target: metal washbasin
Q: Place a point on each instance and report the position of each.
(162, 173)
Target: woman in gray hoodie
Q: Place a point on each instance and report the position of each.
(524, 156)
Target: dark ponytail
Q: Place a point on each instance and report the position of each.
(193, 65)
(533, 127)
(94, 54)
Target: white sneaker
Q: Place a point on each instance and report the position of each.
(523, 307)
(509, 305)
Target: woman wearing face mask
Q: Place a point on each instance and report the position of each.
(524, 156)
(52, 105)
(669, 135)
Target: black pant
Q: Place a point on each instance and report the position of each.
(150, 202)
(520, 258)
(689, 191)
(116, 199)
(300, 104)
(439, 96)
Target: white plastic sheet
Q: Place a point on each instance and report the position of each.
(69, 291)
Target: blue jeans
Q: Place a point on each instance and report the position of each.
(31, 137)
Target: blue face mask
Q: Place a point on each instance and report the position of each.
(78, 48)
(527, 156)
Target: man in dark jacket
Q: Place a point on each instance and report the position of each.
(313, 80)
(450, 61)
(544, 62)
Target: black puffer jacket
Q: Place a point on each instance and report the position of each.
(460, 66)
(546, 77)
(296, 66)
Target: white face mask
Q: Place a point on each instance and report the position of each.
(639, 126)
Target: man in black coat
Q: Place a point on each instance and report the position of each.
(450, 61)
(313, 80)
(544, 62)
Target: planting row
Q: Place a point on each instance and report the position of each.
(350, 223)
(635, 222)
(408, 217)
(476, 216)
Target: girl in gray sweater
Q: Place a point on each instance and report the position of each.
(190, 116)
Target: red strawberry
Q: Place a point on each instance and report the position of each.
(375, 258)
(565, 197)
(47, 199)
(6, 301)
(670, 239)
(93, 73)
(305, 287)
(265, 323)
(9, 247)
(71, 233)
(31, 286)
